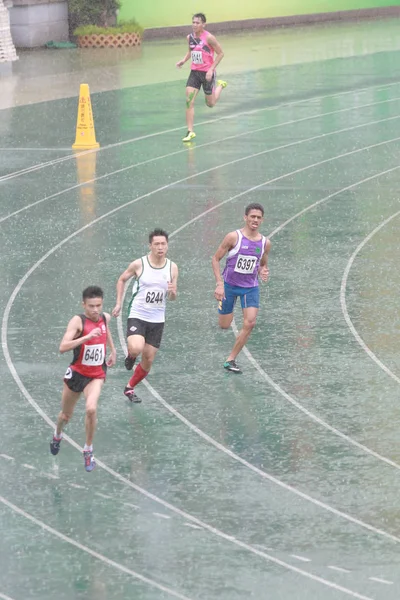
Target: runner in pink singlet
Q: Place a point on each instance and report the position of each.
(205, 53)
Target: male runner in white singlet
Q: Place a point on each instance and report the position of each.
(155, 280)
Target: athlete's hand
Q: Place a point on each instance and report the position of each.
(209, 75)
(219, 293)
(116, 310)
(112, 359)
(180, 64)
(263, 273)
(171, 290)
(96, 332)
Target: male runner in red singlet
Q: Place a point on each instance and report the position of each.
(202, 48)
(87, 335)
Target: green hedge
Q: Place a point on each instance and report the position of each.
(127, 27)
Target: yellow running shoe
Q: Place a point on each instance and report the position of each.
(222, 83)
(189, 136)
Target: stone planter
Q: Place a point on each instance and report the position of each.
(115, 40)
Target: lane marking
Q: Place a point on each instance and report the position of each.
(221, 166)
(156, 514)
(301, 558)
(6, 457)
(344, 304)
(77, 486)
(88, 550)
(339, 569)
(201, 123)
(380, 580)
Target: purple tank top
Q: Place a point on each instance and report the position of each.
(243, 261)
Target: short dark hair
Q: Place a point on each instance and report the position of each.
(157, 232)
(254, 206)
(200, 16)
(93, 291)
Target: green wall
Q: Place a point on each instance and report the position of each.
(167, 13)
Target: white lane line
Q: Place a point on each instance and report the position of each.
(339, 569)
(4, 597)
(161, 515)
(344, 305)
(28, 466)
(275, 385)
(198, 431)
(77, 486)
(221, 166)
(250, 466)
(6, 457)
(186, 516)
(106, 496)
(201, 123)
(131, 505)
(114, 473)
(301, 558)
(88, 550)
(50, 475)
(210, 528)
(192, 525)
(379, 580)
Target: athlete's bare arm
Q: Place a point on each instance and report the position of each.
(112, 359)
(212, 41)
(263, 270)
(172, 285)
(185, 58)
(134, 270)
(74, 329)
(227, 244)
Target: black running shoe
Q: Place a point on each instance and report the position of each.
(129, 362)
(230, 365)
(130, 394)
(55, 445)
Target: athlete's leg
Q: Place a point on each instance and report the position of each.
(226, 306)
(249, 321)
(191, 94)
(224, 321)
(68, 403)
(92, 394)
(148, 356)
(136, 345)
(213, 97)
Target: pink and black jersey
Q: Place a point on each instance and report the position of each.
(90, 357)
(202, 54)
(243, 262)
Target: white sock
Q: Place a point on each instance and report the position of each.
(87, 448)
(58, 437)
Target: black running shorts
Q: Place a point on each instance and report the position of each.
(198, 78)
(152, 332)
(75, 381)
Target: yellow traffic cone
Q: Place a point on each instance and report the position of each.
(85, 135)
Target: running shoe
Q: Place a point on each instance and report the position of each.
(55, 445)
(89, 461)
(222, 83)
(230, 365)
(189, 136)
(129, 362)
(130, 394)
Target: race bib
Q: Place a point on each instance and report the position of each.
(93, 355)
(245, 264)
(197, 57)
(154, 298)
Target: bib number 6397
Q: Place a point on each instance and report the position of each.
(245, 264)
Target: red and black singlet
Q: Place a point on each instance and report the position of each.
(90, 357)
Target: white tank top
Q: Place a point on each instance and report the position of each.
(149, 292)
